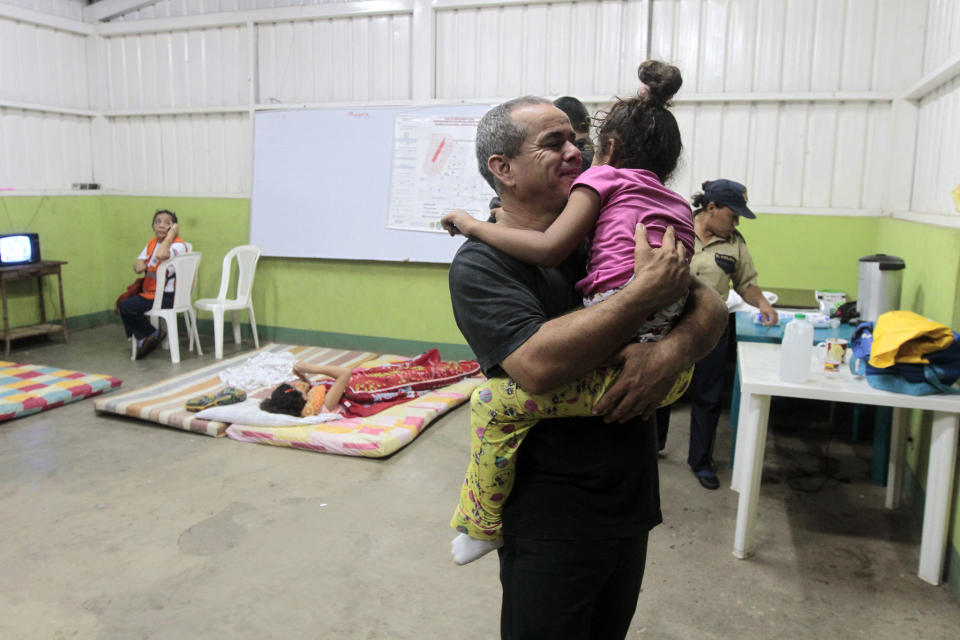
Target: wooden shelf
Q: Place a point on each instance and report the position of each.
(20, 272)
(33, 330)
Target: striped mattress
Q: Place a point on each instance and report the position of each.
(163, 402)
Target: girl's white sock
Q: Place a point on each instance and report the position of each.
(466, 549)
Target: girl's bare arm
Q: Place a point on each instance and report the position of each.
(544, 248)
(341, 376)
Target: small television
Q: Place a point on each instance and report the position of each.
(19, 248)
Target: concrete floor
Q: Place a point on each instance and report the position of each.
(119, 529)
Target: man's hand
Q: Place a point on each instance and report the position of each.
(648, 375)
(140, 266)
(664, 269)
(457, 221)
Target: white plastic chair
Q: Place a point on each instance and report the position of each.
(185, 267)
(247, 256)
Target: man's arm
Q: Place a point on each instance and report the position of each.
(565, 348)
(650, 368)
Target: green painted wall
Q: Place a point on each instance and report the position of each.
(404, 304)
(69, 228)
(931, 286)
(211, 225)
(932, 255)
(810, 252)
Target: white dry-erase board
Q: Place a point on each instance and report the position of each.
(334, 183)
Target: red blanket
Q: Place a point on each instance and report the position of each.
(373, 389)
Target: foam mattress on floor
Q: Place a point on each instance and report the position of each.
(373, 436)
(163, 402)
(31, 388)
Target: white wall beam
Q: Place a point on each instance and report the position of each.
(943, 74)
(42, 108)
(234, 18)
(45, 20)
(106, 9)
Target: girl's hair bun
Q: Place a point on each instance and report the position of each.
(662, 80)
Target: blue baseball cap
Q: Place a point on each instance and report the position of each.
(728, 193)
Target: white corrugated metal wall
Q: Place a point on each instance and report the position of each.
(45, 116)
(936, 168)
(793, 97)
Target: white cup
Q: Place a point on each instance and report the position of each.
(832, 351)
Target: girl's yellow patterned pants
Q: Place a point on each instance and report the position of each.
(501, 415)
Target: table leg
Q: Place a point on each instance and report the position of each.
(898, 456)
(43, 307)
(855, 428)
(63, 312)
(734, 411)
(742, 418)
(6, 318)
(881, 445)
(752, 441)
(936, 508)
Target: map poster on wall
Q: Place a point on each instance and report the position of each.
(434, 171)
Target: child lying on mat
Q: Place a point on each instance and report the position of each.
(306, 398)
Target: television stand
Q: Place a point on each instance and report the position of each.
(37, 270)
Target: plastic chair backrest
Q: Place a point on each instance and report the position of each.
(247, 256)
(185, 267)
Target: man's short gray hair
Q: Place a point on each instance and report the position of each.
(498, 134)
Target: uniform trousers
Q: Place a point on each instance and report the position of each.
(705, 390)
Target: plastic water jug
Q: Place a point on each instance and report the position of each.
(796, 350)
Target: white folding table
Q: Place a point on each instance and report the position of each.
(759, 380)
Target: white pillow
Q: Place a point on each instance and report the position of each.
(250, 413)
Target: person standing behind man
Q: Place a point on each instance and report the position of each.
(586, 492)
(720, 257)
(580, 121)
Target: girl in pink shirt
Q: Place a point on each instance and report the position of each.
(639, 146)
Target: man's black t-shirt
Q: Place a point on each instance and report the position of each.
(577, 478)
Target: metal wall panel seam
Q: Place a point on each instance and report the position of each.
(26, 106)
(258, 16)
(123, 192)
(108, 9)
(936, 219)
(252, 88)
(46, 20)
(596, 100)
(481, 4)
(178, 111)
(944, 73)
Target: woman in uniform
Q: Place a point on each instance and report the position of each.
(720, 258)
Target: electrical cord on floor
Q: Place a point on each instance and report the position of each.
(827, 471)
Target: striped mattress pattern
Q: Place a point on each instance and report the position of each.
(373, 436)
(163, 402)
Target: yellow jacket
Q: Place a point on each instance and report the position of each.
(905, 336)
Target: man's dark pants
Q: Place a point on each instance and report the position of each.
(570, 589)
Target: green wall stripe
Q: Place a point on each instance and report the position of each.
(269, 333)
